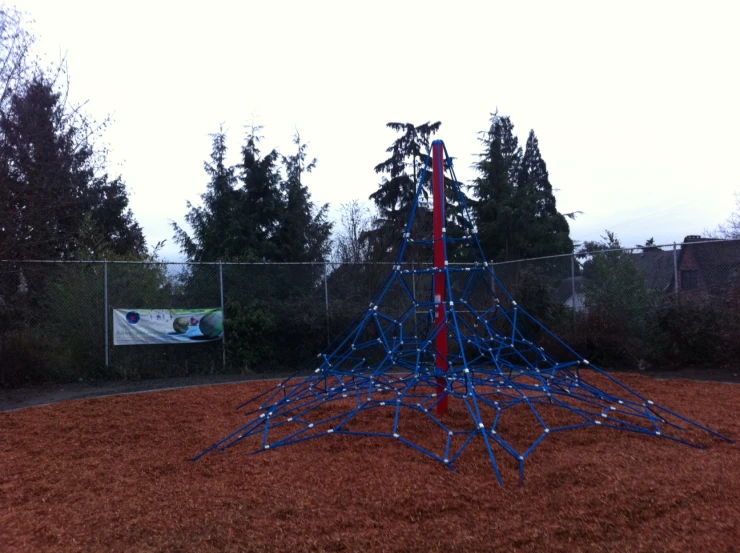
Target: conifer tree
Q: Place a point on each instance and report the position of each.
(402, 170)
(249, 212)
(304, 230)
(514, 203)
(54, 193)
(395, 195)
(494, 188)
(263, 207)
(544, 231)
(217, 232)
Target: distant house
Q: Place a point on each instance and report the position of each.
(657, 266)
(566, 295)
(709, 272)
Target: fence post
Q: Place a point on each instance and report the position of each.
(675, 270)
(105, 306)
(326, 301)
(223, 314)
(573, 289)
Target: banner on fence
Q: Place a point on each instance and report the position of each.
(166, 326)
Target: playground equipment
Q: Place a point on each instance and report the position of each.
(448, 336)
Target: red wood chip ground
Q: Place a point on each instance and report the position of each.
(112, 474)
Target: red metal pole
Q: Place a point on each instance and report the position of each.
(440, 262)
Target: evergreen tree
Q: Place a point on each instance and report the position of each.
(514, 205)
(402, 170)
(618, 301)
(250, 213)
(218, 230)
(545, 231)
(53, 192)
(110, 218)
(263, 208)
(649, 245)
(493, 190)
(395, 196)
(304, 231)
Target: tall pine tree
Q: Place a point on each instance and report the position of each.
(546, 231)
(514, 204)
(304, 230)
(402, 170)
(54, 194)
(494, 189)
(249, 212)
(401, 173)
(218, 233)
(263, 210)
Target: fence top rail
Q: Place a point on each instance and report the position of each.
(329, 262)
(163, 262)
(596, 252)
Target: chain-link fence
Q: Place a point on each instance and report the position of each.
(657, 307)
(663, 306)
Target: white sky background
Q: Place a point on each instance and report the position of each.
(635, 104)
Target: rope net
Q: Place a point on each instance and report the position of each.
(500, 362)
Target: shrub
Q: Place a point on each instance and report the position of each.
(248, 330)
(690, 334)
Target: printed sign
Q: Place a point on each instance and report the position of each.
(166, 326)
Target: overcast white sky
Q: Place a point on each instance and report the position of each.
(635, 103)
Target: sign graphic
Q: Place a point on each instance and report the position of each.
(166, 326)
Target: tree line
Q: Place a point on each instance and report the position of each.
(260, 209)
(58, 199)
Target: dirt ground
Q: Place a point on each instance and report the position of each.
(113, 474)
(45, 394)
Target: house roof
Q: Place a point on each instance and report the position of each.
(565, 288)
(718, 260)
(657, 265)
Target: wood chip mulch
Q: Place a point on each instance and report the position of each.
(113, 474)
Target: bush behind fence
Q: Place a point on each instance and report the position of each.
(659, 307)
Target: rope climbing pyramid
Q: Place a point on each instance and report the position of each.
(444, 346)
